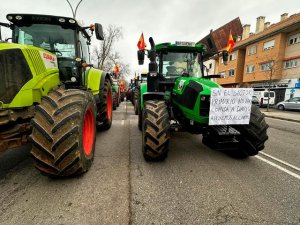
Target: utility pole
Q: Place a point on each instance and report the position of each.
(74, 12)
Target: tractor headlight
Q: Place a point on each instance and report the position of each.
(9, 18)
(72, 21)
(203, 98)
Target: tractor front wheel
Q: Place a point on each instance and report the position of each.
(64, 133)
(155, 130)
(253, 136)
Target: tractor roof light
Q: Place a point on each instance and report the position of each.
(62, 20)
(19, 17)
(9, 18)
(72, 21)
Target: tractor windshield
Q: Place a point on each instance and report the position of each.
(53, 38)
(175, 64)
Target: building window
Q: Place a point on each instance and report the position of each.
(269, 45)
(223, 74)
(266, 66)
(252, 50)
(231, 72)
(250, 68)
(291, 63)
(210, 66)
(294, 39)
(232, 56)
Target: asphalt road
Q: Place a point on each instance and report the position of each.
(195, 185)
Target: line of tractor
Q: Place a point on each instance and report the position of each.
(53, 97)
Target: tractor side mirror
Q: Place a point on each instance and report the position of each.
(141, 56)
(225, 55)
(99, 31)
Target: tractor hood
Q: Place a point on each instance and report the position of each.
(19, 65)
(192, 96)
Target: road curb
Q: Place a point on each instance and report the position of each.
(280, 118)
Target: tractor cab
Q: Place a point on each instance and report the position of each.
(179, 59)
(62, 36)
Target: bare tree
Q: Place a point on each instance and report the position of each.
(105, 52)
(272, 66)
(106, 57)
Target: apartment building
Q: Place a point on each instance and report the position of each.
(268, 57)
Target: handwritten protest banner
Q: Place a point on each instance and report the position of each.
(230, 106)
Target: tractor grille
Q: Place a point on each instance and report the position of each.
(36, 61)
(204, 105)
(14, 73)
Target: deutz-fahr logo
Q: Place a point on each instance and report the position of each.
(181, 85)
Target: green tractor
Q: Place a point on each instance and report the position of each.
(176, 97)
(140, 79)
(48, 90)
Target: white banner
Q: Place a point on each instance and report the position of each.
(230, 106)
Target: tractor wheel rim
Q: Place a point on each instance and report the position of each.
(88, 132)
(109, 105)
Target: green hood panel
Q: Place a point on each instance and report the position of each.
(187, 94)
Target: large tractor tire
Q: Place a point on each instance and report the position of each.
(140, 113)
(105, 107)
(253, 136)
(64, 133)
(135, 101)
(156, 131)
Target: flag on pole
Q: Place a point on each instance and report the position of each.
(230, 43)
(141, 43)
(116, 68)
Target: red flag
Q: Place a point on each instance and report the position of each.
(141, 43)
(230, 43)
(116, 68)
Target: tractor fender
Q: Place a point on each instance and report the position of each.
(95, 82)
(153, 96)
(103, 78)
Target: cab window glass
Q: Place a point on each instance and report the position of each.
(84, 47)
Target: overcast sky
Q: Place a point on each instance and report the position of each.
(164, 20)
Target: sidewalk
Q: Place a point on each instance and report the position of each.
(282, 115)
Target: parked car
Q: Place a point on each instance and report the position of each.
(255, 101)
(292, 103)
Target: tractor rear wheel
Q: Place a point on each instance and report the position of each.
(156, 130)
(253, 136)
(105, 107)
(64, 133)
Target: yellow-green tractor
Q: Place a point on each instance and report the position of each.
(50, 91)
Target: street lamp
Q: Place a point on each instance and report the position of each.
(74, 12)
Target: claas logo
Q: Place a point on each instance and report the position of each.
(48, 56)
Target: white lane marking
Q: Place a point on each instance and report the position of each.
(122, 122)
(283, 162)
(279, 167)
